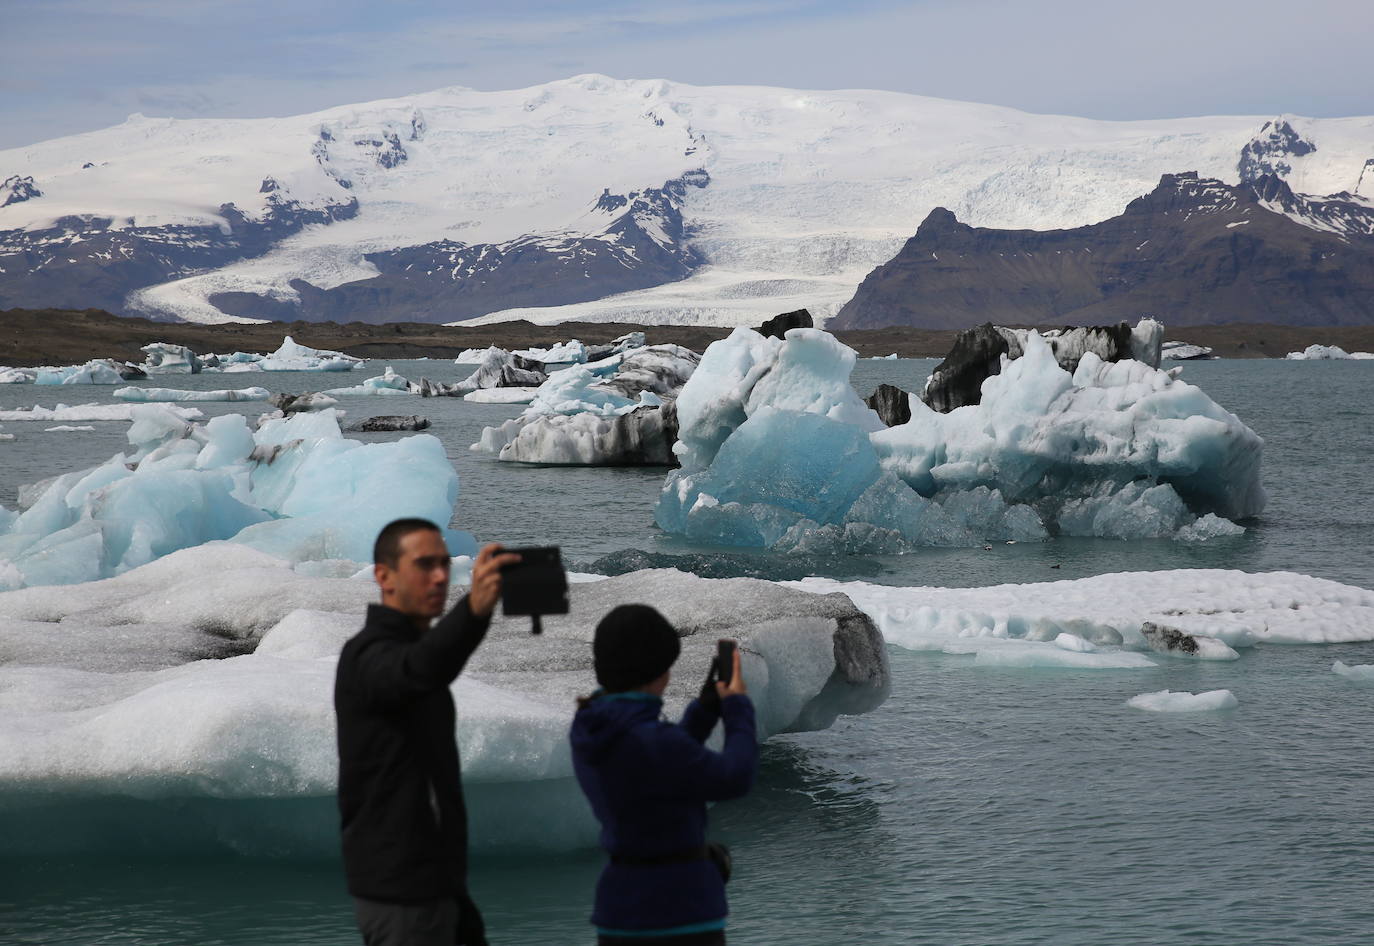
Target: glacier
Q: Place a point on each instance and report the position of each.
(778, 451)
(208, 675)
(294, 487)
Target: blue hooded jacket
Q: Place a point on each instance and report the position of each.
(648, 781)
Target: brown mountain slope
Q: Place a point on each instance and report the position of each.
(1191, 252)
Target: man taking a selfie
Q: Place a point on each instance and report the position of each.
(400, 796)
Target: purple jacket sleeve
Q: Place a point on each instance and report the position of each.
(690, 770)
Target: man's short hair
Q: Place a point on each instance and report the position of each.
(387, 550)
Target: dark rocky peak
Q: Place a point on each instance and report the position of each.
(270, 185)
(387, 151)
(609, 202)
(18, 189)
(418, 126)
(777, 326)
(88, 164)
(1366, 178)
(1344, 213)
(654, 118)
(1184, 192)
(326, 135)
(1270, 151)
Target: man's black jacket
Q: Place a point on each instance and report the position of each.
(404, 822)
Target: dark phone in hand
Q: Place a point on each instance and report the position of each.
(725, 661)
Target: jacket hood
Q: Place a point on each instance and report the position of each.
(599, 725)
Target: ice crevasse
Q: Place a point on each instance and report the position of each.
(777, 450)
(295, 487)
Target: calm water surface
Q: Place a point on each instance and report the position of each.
(979, 805)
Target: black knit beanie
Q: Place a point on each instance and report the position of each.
(634, 645)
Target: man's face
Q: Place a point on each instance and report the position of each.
(417, 585)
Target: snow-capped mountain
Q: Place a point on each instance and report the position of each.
(589, 198)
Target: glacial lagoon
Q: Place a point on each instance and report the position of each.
(983, 802)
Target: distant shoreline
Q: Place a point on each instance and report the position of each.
(30, 337)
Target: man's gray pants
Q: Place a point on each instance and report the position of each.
(430, 923)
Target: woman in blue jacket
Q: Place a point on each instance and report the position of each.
(648, 781)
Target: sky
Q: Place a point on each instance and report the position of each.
(77, 65)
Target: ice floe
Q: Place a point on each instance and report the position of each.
(295, 487)
(1168, 701)
(1328, 353)
(174, 395)
(1363, 673)
(100, 701)
(778, 451)
(88, 412)
(618, 411)
(1198, 613)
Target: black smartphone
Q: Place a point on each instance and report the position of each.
(535, 585)
(725, 661)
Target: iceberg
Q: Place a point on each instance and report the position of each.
(66, 428)
(173, 395)
(207, 676)
(88, 412)
(501, 395)
(388, 383)
(1363, 673)
(502, 369)
(475, 356)
(1328, 353)
(99, 371)
(295, 488)
(1167, 701)
(295, 357)
(778, 451)
(166, 358)
(1237, 609)
(615, 412)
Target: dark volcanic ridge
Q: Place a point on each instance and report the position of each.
(1194, 251)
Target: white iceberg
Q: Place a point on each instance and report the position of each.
(295, 488)
(1363, 673)
(1168, 701)
(777, 450)
(501, 395)
(475, 356)
(1328, 353)
(564, 353)
(295, 357)
(88, 412)
(166, 358)
(66, 428)
(1236, 608)
(111, 709)
(174, 395)
(388, 383)
(614, 412)
(99, 371)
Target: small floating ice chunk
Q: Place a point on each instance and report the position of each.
(995, 652)
(88, 412)
(1168, 701)
(66, 428)
(172, 395)
(1362, 672)
(501, 395)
